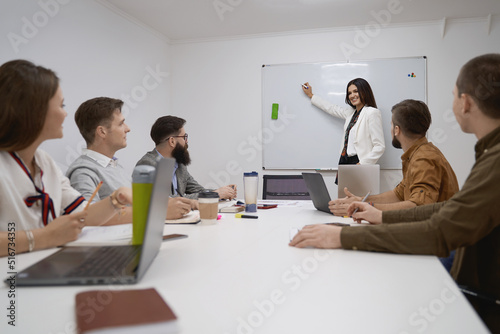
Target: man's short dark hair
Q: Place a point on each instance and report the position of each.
(96, 112)
(165, 127)
(413, 117)
(480, 78)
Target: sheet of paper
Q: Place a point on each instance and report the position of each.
(104, 235)
(280, 203)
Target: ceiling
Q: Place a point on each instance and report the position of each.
(190, 20)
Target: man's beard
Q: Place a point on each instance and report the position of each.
(396, 143)
(181, 154)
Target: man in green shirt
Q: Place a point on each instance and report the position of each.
(468, 222)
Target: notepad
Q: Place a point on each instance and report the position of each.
(193, 217)
(232, 209)
(124, 312)
(226, 203)
(104, 235)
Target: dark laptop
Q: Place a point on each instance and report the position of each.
(108, 264)
(317, 190)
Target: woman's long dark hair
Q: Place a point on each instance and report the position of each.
(25, 91)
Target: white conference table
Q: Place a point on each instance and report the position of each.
(240, 276)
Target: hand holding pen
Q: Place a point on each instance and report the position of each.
(307, 89)
(366, 212)
(363, 200)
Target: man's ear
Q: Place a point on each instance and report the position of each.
(171, 142)
(397, 130)
(100, 131)
(467, 103)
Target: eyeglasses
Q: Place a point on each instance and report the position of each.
(185, 137)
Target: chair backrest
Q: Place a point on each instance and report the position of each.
(285, 187)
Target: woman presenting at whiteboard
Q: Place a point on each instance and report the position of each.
(363, 134)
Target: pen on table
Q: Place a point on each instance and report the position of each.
(93, 195)
(239, 215)
(364, 199)
(480, 295)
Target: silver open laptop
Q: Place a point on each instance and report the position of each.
(359, 179)
(88, 265)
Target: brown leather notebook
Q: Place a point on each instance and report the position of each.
(124, 311)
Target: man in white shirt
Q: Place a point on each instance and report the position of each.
(103, 127)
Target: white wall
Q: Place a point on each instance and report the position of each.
(217, 88)
(95, 52)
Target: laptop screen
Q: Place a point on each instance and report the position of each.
(359, 179)
(318, 191)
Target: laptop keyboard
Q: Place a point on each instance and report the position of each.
(106, 261)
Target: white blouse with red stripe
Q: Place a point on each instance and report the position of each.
(23, 198)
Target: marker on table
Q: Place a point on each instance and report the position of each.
(364, 199)
(239, 215)
(483, 296)
(93, 195)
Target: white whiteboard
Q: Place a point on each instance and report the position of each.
(305, 137)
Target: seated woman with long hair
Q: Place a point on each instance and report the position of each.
(38, 207)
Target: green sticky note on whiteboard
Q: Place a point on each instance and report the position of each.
(274, 114)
